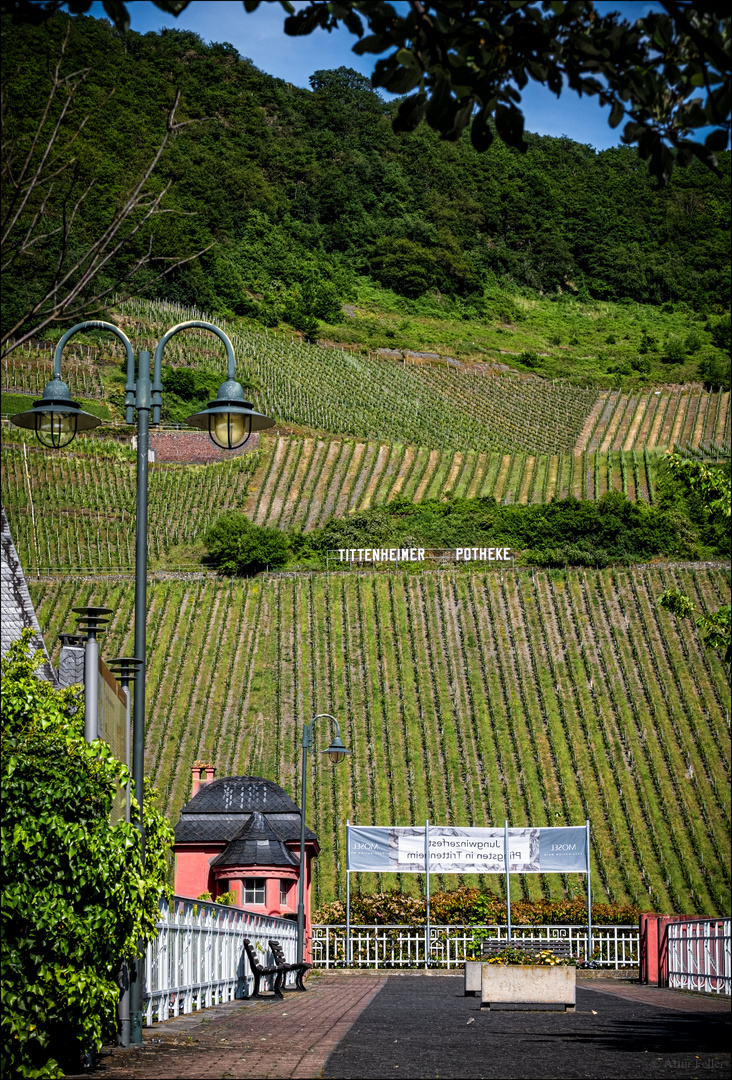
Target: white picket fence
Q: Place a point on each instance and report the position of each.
(397, 946)
(198, 958)
(700, 955)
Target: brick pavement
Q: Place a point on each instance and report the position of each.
(262, 1039)
(678, 1000)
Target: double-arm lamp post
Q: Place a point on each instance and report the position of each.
(336, 752)
(56, 420)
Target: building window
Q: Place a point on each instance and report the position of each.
(284, 892)
(254, 891)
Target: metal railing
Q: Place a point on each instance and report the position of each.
(700, 955)
(198, 959)
(395, 946)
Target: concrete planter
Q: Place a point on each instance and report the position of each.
(527, 984)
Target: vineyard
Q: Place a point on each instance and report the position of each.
(683, 416)
(302, 482)
(382, 399)
(466, 698)
(73, 511)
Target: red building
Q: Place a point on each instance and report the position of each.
(242, 834)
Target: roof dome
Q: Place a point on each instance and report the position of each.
(241, 795)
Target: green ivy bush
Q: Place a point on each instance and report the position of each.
(236, 546)
(75, 896)
(471, 906)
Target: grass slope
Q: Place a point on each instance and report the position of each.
(466, 698)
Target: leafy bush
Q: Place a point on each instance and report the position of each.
(470, 906)
(75, 896)
(674, 351)
(563, 532)
(236, 546)
(529, 359)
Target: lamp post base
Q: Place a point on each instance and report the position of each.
(136, 1029)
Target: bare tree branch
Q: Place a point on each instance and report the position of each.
(33, 190)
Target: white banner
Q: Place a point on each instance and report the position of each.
(453, 850)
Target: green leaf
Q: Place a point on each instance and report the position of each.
(717, 141)
(510, 126)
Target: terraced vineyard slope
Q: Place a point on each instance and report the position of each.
(68, 510)
(683, 416)
(466, 697)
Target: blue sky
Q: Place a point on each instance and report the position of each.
(259, 37)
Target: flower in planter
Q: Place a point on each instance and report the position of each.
(545, 958)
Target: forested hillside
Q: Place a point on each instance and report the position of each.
(315, 196)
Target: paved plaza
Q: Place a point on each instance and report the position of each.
(413, 1025)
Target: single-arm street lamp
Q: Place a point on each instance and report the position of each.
(336, 752)
(56, 420)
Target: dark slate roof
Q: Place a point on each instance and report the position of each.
(221, 828)
(256, 844)
(16, 605)
(241, 795)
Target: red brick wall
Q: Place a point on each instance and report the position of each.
(193, 447)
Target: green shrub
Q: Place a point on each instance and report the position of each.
(674, 351)
(470, 906)
(236, 546)
(75, 896)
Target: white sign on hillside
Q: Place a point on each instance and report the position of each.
(412, 554)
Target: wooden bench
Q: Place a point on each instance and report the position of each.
(259, 971)
(300, 969)
(560, 947)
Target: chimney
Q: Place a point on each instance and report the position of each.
(71, 662)
(203, 773)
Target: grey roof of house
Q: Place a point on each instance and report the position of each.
(221, 828)
(241, 795)
(256, 844)
(16, 606)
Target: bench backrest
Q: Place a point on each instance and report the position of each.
(278, 952)
(252, 954)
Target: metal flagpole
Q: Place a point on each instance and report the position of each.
(427, 896)
(508, 881)
(589, 896)
(348, 894)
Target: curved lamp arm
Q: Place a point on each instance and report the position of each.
(95, 324)
(191, 324)
(307, 729)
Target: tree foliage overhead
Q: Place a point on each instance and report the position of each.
(75, 897)
(465, 63)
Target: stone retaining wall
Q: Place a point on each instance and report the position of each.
(194, 447)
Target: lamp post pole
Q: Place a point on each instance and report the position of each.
(336, 751)
(56, 419)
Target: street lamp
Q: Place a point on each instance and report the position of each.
(92, 620)
(56, 419)
(336, 752)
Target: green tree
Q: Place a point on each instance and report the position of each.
(714, 487)
(236, 546)
(75, 896)
(461, 63)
